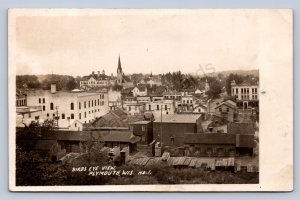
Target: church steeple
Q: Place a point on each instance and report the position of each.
(119, 65)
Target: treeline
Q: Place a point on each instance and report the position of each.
(63, 82)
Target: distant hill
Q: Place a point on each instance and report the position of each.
(254, 72)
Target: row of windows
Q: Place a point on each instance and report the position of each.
(93, 82)
(91, 103)
(158, 107)
(72, 105)
(173, 97)
(244, 90)
(40, 100)
(187, 101)
(63, 116)
(21, 102)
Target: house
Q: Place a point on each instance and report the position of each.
(246, 94)
(63, 105)
(139, 91)
(227, 110)
(200, 108)
(143, 129)
(170, 129)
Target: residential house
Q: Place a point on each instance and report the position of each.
(139, 91)
(227, 110)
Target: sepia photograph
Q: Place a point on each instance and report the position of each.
(148, 100)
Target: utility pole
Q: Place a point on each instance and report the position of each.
(161, 138)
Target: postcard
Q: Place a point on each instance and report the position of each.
(154, 100)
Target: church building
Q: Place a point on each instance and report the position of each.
(123, 80)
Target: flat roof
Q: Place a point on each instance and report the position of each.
(141, 122)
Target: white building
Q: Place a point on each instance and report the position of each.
(247, 95)
(133, 107)
(95, 80)
(157, 108)
(139, 91)
(65, 106)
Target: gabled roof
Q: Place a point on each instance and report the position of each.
(226, 104)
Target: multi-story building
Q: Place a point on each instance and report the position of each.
(247, 95)
(21, 99)
(133, 107)
(95, 80)
(157, 108)
(68, 106)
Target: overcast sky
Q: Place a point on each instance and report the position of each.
(157, 42)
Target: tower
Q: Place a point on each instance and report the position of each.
(119, 72)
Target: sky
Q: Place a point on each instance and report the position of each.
(157, 41)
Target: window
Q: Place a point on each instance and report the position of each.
(157, 107)
(227, 109)
(220, 109)
(237, 90)
(172, 140)
(29, 115)
(79, 105)
(149, 107)
(51, 106)
(129, 108)
(95, 103)
(72, 116)
(183, 101)
(79, 115)
(98, 102)
(63, 116)
(75, 124)
(72, 106)
(47, 114)
(43, 100)
(44, 108)
(92, 103)
(166, 107)
(53, 115)
(84, 114)
(84, 104)
(39, 100)
(89, 104)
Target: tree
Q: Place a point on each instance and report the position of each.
(215, 88)
(71, 84)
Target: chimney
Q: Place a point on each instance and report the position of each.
(93, 72)
(103, 72)
(98, 73)
(53, 88)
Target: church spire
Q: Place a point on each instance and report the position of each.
(119, 64)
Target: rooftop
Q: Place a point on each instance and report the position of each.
(178, 118)
(209, 138)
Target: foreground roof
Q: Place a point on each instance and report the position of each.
(178, 118)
